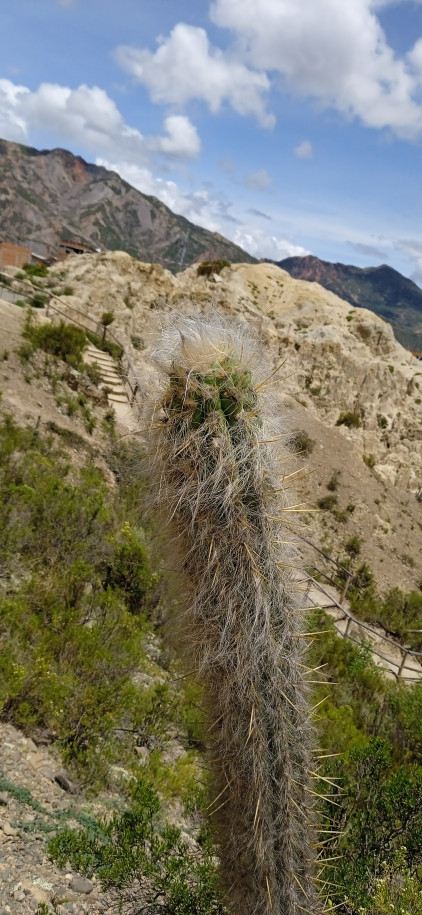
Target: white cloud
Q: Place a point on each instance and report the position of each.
(259, 180)
(261, 244)
(12, 124)
(304, 150)
(185, 66)
(182, 138)
(415, 59)
(335, 52)
(88, 117)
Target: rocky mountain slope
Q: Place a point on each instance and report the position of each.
(50, 194)
(353, 392)
(380, 289)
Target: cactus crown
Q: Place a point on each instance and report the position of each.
(225, 389)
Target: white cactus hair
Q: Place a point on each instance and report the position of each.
(217, 443)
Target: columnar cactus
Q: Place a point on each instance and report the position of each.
(217, 446)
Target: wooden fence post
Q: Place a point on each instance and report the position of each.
(345, 587)
(403, 661)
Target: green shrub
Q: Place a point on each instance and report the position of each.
(333, 482)
(140, 858)
(137, 342)
(70, 642)
(207, 268)
(399, 612)
(353, 545)
(65, 341)
(35, 270)
(375, 816)
(107, 318)
(382, 421)
(396, 890)
(369, 460)
(130, 571)
(350, 419)
(303, 443)
(327, 503)
(93, 371)
(382, 807)
(38, 300)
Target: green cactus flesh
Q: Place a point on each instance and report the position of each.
(240, 630)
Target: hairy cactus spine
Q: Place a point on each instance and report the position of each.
(217, 447)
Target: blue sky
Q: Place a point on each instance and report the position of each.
(289, 127)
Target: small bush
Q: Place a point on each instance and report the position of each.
(130, 571)
(137, 342)
(207, 268)
(65, 341)
(382, 421)
(35, 270)
(350, 419)
(38, 300)
(369, 460)
(138, 857)
(353, 545)
(107, 318)
(303, 443)
(327, 503)
(333, 482)
(93, 371)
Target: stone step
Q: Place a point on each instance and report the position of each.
(118, 398)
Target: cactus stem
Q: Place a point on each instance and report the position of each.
(216, 449)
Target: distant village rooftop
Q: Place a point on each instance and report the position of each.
(13, 255)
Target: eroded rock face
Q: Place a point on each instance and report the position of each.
(338, 359)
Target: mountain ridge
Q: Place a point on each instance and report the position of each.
(48, 194)
(380, 289)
